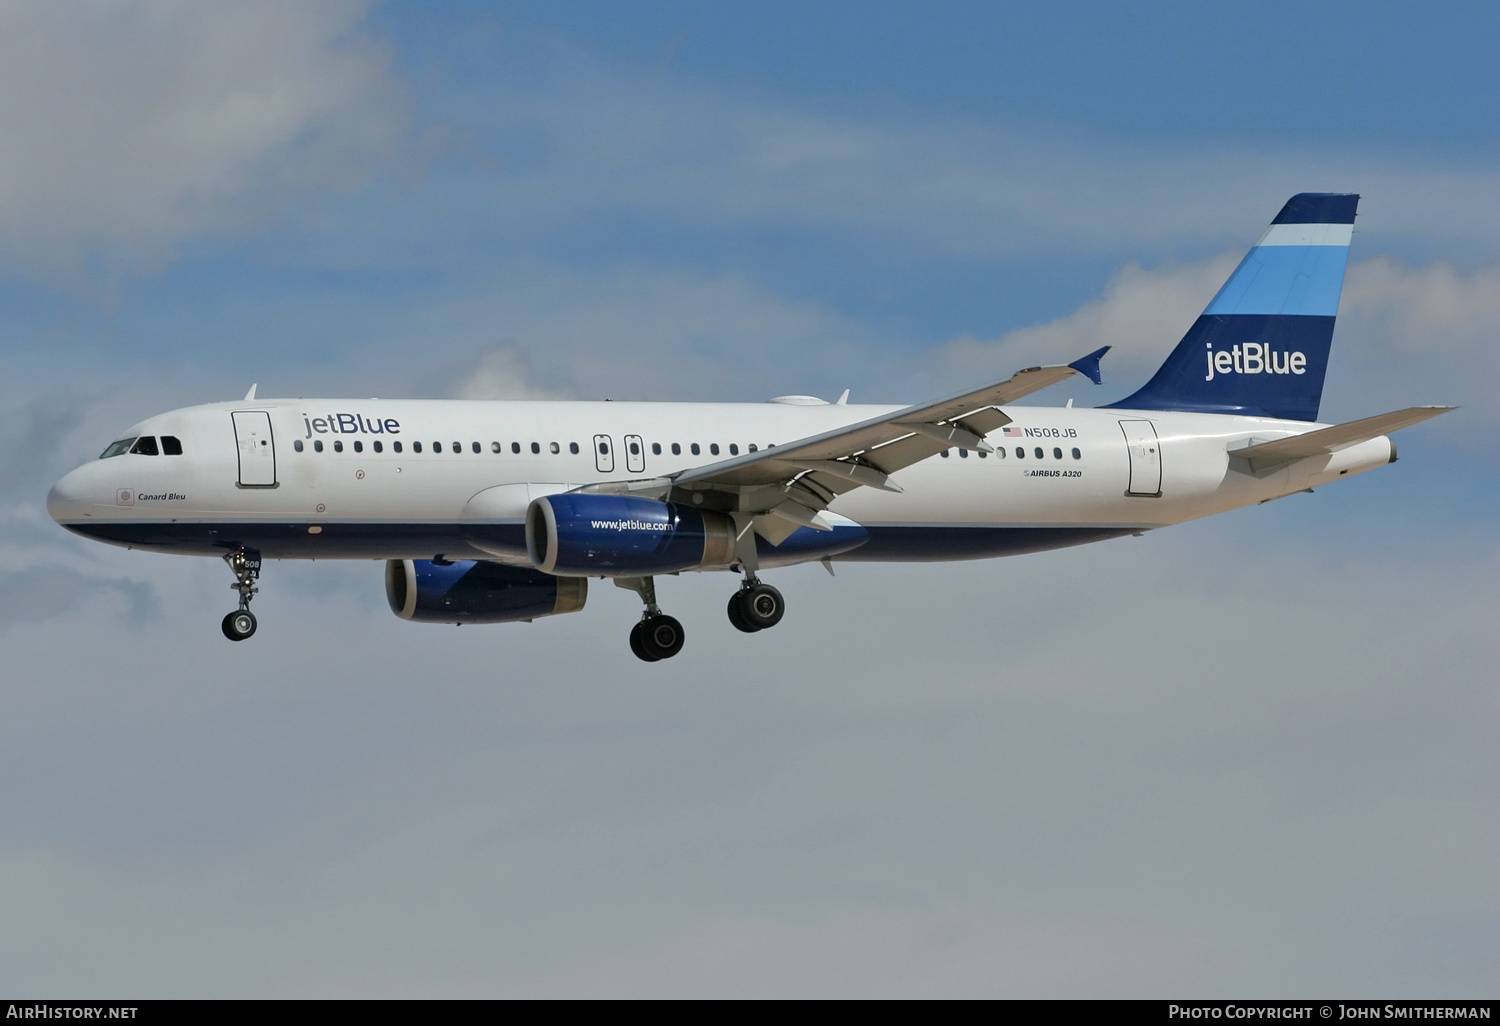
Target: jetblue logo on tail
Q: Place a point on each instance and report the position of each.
(1253, 358)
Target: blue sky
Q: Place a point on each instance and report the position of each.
(676, 201)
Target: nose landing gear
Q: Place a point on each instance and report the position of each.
(245, 565)
(657, 635)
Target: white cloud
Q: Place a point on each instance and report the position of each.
(133, 125)
(627, 333)
(1142, 314)
(503, 371)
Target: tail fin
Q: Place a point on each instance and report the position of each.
(1261, 346)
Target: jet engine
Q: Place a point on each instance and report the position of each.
(586, 534)
(477, 591)
(623, 536)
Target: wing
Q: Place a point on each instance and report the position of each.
(782, 488)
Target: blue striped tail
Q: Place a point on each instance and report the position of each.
(1261, 347)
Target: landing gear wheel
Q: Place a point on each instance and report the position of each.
(761, 606)
(737, 614)
(638, 644)
(239, 625)
(661, 636)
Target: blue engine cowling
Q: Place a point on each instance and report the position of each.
(477, 591)
(585, 534)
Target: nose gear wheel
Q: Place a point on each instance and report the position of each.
(239, 625)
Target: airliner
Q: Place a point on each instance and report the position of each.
(495, 512)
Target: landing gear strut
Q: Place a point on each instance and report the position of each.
(657, 635)
(245, 565)
(755, 606)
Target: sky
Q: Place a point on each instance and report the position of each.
(1249, 756)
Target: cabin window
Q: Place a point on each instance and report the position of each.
(1020, 453)
(676, 449)
(554, 448)
(656, 448)
(1077, 455)
(945, 454)
(416, 447)
(297, 445)
(145, 446)
(458, 447)
(1057, 454)
(117, 448)
(495, 447)
(377, 446)
(982, 454)
(713, 448)
(171, 446)
(635, 448)
(573, 448)
(476, 448)
(963, 454)
(359, 446)
(515, 447)
(317, 445)
(338, 446)
(396, 446)
(1000, 454)
(752, 447)
(536, 447)
(694, 449)
(734, 450)
(1039, 454)
(437, 448)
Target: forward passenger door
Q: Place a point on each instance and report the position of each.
(257, 449)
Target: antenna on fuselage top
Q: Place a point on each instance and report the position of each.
(251, 394)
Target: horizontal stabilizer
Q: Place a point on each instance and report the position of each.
(1331, 439)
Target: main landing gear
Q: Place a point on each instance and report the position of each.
(657, 635)
(245, 565)
(755, 606)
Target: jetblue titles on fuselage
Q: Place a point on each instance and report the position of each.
(349, 424)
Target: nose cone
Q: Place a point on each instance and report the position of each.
(74, 497)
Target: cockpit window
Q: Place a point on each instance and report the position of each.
(170, 446)
(145, 446)
(117, 448)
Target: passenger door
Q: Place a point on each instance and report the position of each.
(257, 449)
(1145, 457)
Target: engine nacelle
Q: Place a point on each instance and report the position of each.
(477, 591)
(629, 536)
(624, 536)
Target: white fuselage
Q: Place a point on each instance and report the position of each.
(350, 501)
